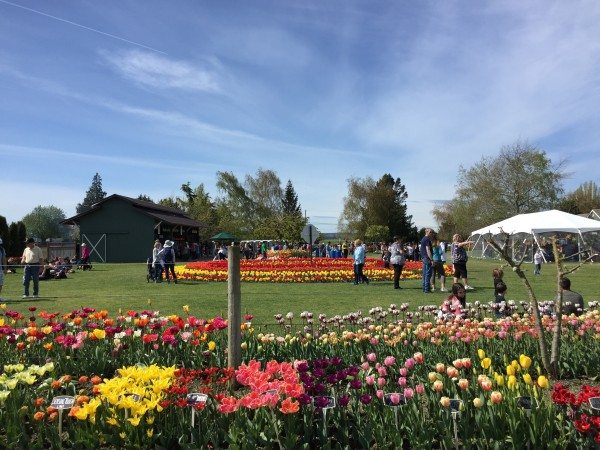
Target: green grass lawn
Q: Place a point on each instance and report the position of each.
(123, 286)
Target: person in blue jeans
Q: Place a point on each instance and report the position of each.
(32, 258)
(426, 251)
(359, 262)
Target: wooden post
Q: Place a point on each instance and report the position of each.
(234, 307)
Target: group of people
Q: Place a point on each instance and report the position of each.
(162, 261)
(34, 267)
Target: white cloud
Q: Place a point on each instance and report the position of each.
(158, 71)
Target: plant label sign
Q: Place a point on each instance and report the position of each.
(595, 404)
(63, 402)
(524, 402)
(455, 405)
(324, 402)
(196, 398)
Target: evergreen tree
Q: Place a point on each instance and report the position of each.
(4, 230)
(13, 245)
(21, 233)
(379, 203)
(93, 195)
(290, 200)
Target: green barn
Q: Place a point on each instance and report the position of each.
(123, 229)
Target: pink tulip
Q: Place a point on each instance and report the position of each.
(370, 380)
(408, 393)
(410, 362)
(365, 365)
(382, 371)
(381, 381)
(403, 371)
(372, 357)
(389, 361)
(420, 389)
(379, 393)
(402, 381)
(395, 398)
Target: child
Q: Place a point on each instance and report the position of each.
(538, 259)
(455, 302)
(497, 274)
(500, 300)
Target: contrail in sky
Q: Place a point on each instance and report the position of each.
(81, 26)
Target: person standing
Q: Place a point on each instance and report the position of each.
(32, 257)
(426, 252)
(397, 260)
(538, 259)
(3, 266)
(168, 257)
(157, 262)
(438, 267)
(359, 262)
(459, 260)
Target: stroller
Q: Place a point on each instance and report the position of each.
(154, 274)
(150, 274)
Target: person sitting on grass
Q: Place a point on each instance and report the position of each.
(497, 275)
(572, 301)
(453, 305)
(500, 300)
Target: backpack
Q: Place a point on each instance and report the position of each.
(168, 255)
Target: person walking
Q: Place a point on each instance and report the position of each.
(397, 260)
(168, 257)
(426, 251)
(538, 259)
(32, 257)
(459, 260)
(359, 262)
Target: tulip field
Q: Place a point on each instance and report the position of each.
(393, 378)
(298, 270)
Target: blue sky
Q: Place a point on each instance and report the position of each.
(153, 94)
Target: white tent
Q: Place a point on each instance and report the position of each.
(534, 224)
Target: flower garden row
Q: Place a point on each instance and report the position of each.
(298, 270)
(142, 380)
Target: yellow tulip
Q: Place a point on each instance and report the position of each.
(499, 380)
(542, 382)
(527, 379)
(512, 381)
(525, 361)
(486, 363)
(510, 370)
(481, 353)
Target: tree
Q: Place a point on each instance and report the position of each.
(21, 235)
(13, 245)
(44, 222)
(235, 209)
(377, 233)
(145, 198)
(521, 179)
(582, 200)
(170, 202)
(93, 195)
(380, 203)
(264, 189)
(203, 209)
(289, 201)
(4, 230)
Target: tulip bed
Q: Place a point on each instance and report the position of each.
(395, 380)
(298, 270)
